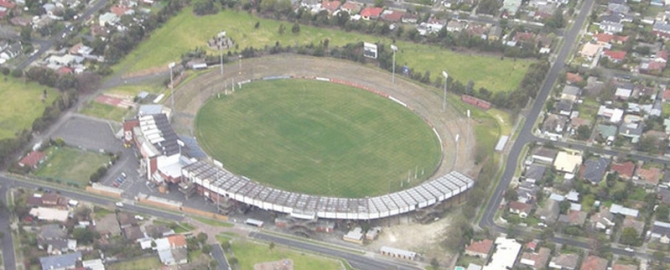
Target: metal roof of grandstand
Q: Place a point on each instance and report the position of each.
(157, 130)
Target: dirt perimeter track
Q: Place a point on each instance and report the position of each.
(424, 101)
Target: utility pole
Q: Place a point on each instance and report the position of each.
(444, 98)
(394, 48)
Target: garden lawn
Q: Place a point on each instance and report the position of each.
(491, 72)
(105, 111)
(20, 105)
(149, 263)
(318, 138)
(71, 164)
(250, 253)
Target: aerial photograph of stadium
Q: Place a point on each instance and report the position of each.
(334, 134)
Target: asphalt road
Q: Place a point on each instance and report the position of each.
(526, 133)
(219, 256)
(357, 261)
(8, 256)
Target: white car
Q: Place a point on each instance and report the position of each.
(119, 204)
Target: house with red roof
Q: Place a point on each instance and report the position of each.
(615, 56)
(666, 95)
(649, 176)
(625, 170)
(594, 263)
(618, 266)
(573, 78)
(32, 159)
(121, 10)
(7, 4)
(371, 13)
(64, 70)
(392, 15)
(351, 7)
(521, 209)
(603, 38)
(330, 6)
(656, 64)
(480, 249)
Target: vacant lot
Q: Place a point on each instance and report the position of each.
(318, 138)
(485, 71)
(20, 104)
(105, 111)
(71, 164)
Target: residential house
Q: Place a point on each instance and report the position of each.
(564, 261)
(618, 266)
(594, 170)
(11, 51)
(619, 209)
(576, 122)
(624, 90)
(371, 13)
(480, 249)
(133, 233)
(594, 263)
(570, 93)
(526, 191)
(656, 64)
(564, 107)
(330, 6)
(648, 177)
(660, 231)
(535, 173)
(590, 50)
(567, 162)
(507, 251)
(549, 213)
(611, 115)
(661, 29)
(544, 155)
(410, 18)
(495, 33)
(60, 262)
(32, 159)
(351, 7)
(593, 86)
(573, 218)
(615, 56)
(611, 27)
(157, 230)
(49, 214)
(632, 131)
(607, 132)
(602, 220)
(53, 200)
(573, 78)
(126, 219)
(521, 209)
(663, 194)
(172, 249)
(108, 19)
(511, 6)
(52, 231)
(536, 260)
(455, 26)
(554, 125)
(624, 170)
(636, 225)
(393, 16)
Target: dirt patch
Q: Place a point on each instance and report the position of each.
(276, 265)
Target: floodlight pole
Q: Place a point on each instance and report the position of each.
(394, 48)
(171, 65)
(240, 64)
(467, 138)
(456, 156)
(221, 57)
(444, 98)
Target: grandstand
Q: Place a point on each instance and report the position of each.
(215, 182)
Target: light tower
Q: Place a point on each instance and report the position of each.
(444, 98)
(171, 65)
(394, 48)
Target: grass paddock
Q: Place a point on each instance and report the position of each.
(20, 104)
(71, 164)
(318, 138)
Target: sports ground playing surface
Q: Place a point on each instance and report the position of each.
(318, 138)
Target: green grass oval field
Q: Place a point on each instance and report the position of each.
(318, 138)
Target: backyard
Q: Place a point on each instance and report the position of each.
(71, 165)
(491, 72)
(146, 263)
(20, 104)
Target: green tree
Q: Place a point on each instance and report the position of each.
(511, 195)
(296, 28)
(379, 3)
(206, 249)
(26, 34)
(225, 245)
(202, 237)
(583, 132)
(564, 206)
(490, 7)
(282, 29)
(629, 236)
(272, 245)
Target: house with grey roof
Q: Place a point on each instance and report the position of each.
(570, 93)
(60, 262)
(52, 231)
(549, 213)
(564, 261)
(594, 169)
(633, 131)
(535, 172)
(544, 155)
(660, 231)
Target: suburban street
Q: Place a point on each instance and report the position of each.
(46, 45)
(8, 256)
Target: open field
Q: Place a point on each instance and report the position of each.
(105, 111)
(249, 253)
(20, 105)
(490, 72)
(148, 263)
(70, 164)
(318, 138)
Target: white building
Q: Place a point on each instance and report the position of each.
(507, 250)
